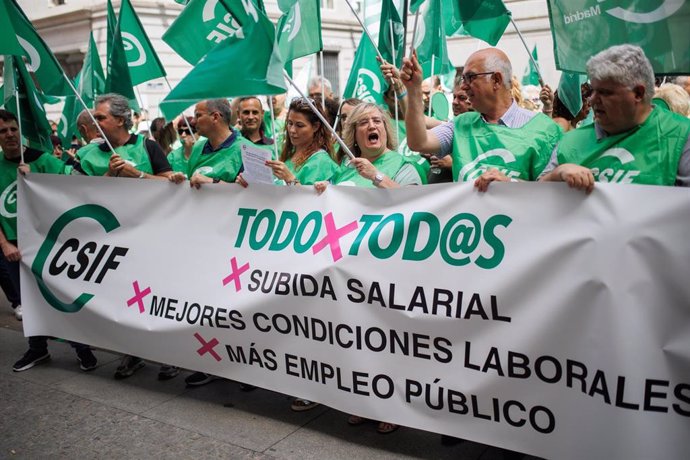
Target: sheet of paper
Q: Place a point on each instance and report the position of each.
(255, 169)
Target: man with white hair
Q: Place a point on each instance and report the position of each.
(630, 141)
(316, 91)
(499, 137)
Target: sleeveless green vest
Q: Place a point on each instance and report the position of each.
(647, 154)
(420, 163)
(520, 153)
(319, 166)
(45, 163)
(224, 164)
(177, 160)
(94, 161)
(389, 164)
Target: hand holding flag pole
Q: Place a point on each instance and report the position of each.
(378, 53)
(318, 114)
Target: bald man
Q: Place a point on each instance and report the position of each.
(499, 138)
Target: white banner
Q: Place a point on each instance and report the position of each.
(532, 317)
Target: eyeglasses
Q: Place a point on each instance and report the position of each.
(184, 131)
(470, 77)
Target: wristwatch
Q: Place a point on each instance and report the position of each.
(378, 178)
(141, 174)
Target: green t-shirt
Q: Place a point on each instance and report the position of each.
(223, 164)
(319, 166)
(647, 154)
(520, 153)
(43, 163)
(95, 161)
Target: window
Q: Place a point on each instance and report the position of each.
(327, 4)
(330, 68)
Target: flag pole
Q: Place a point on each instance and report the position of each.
(186, 122)
(378, 53)
(414, 31)
(141, 104)
(431, 82)
(323, 87)
(318, 114)
(529, 53)
(19, 119)
(273, 126)
(395, 103)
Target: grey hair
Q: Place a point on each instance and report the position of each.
(222, 106)
(496, 63)
(119, 107)
(676, 98)
(626, 65)
(316, 81)
(682, 80)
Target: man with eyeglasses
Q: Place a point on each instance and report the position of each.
(631, 141)
(499, 136)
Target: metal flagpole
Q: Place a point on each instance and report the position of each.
(414, 31)
(19, 121)
(141, 104)
(318, 114)
(323, 87)
(273, 126)
(395, 102)
(431, 78)
(529, 53)
(186, 122)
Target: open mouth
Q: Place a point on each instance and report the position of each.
(373, 137)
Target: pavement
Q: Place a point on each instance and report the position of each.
(55, 410)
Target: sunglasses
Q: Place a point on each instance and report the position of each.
(184, 131)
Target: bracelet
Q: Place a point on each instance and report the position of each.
(401, 96)
(292, 182)
(141, 174)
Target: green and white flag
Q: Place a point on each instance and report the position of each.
(91, 76)
(262, 74)
(531, 76)
(67, 127)
(414, 5)
(8, 36)
(32, 116)
(205, 23)
(570, 91)
(118, 79)
(366, 81)
(483, 19)
(431, 41)
(143, 61)
(582, 28)
(390, 19)
(299, 30)
(111, 22)
(41, 60)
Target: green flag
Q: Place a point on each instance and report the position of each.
(111, 22)
(41, 60)
(366, 81)
(299, 30)
(531, 76)
(205, 23)
(583, 28)
(570, 91)
(390, 19)
(119, 80)
(8, 36)
(483, 19)
(414, 5)
(67, 127)
(143, 61)
(91, 77)
(431, 41)
(32, 116)
(262, 74)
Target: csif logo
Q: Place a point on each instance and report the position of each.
(293, 23)
(617, 175)
(665, 10)
(104, 256)
(136, 56)
(368, 84)
(459, 240)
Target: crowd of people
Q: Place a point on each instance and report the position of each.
(490, 138)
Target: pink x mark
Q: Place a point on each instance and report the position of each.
(138, 296)
(207, 347)
(235, 275)
(333, 235)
